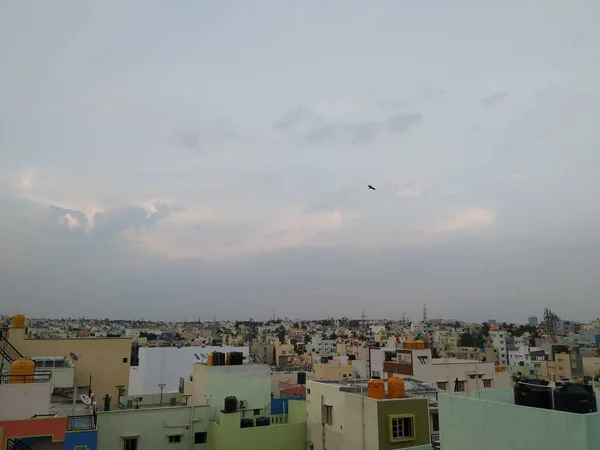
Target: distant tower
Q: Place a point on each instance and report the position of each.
(273, 314)
(403, 319)
(424, 313)
(363, 317)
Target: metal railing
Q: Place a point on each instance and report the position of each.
(8, 351)
(16, 444)
(42, 376)
(78, 423)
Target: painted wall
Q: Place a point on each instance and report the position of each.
(419, 407)
(591, 366)
(24, 400)
(467, 422)
(102, 358)
(166, 365)
(351, 415)
(249, 382)
(153, 426)
(89, 439)
(44, 426)
(227, 434)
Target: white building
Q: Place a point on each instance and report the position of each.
(449, 374)
(499, 341)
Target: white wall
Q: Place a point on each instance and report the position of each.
(24, 400)
(351, 415)
(166, 365)
(434, 373)
(153, 425)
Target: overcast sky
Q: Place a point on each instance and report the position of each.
(181, 159)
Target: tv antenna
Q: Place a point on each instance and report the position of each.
(74, 357)
(85, 399)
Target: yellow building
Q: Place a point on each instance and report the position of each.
(106, 360)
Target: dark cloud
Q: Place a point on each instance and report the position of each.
(403, 122)
(391, 104)
(195, 138)
(114, 221)
(321, 134)
(365, 132)
(494, 98)
(359, 132)
(300, 115)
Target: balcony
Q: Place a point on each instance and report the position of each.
(37, 377)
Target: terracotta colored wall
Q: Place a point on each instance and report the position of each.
(52, 426)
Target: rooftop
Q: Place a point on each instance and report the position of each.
(413, 388)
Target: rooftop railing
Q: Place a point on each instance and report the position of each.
(42, 376)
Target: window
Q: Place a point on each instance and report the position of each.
(200, 437)
(175, 439)
(124, 360)
(130, 444)
(401, 428)
(257, 412)
(472, 376)
(480, 375)
(487, 383)
(435, 422)
(422, 359)
(443, 385)
(327, 415)
(459, 386)
(308, 391)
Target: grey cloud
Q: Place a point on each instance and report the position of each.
(114, 221)
(321, 134)
(300, 115)
(403, 122)
(195, 138)
(391, 104)
(494, 98)
(365, 132)
(359, 132)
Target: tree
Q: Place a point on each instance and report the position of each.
(333, 337)
(353, 324)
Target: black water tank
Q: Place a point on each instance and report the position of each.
(575, 398)
(301, 378)
(237, 358)
(246, 422)
(230, 405)
(263, 421)
(533, 393)
(222, 359)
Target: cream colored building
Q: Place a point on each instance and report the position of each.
(342, 416)
(591, 366)
(106, 360)
(448, 374)
(333, 370)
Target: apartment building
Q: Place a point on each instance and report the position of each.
(448, 374)
(342, 415)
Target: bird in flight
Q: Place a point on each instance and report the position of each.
(371, 187)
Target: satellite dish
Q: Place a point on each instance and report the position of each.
(86, 399)
(73, 356)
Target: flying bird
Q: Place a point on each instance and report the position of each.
(371, 187)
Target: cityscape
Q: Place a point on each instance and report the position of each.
(277, 225)
(281, 383)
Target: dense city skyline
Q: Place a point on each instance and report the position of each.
(220, 166)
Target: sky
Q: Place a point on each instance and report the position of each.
(181, 160)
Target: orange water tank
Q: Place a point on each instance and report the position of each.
(420, 345)
(228, 358)
(21, 371)
(409, 345)
(349, 362)
(18, 321)
(209, 359)
(376, 389)
(396, 388)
